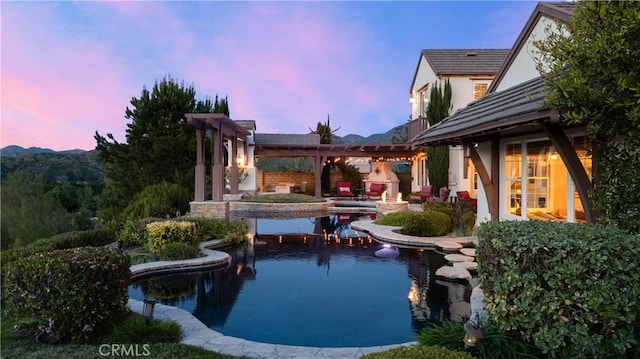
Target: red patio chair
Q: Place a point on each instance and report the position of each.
(425, 194)
(344, 189)
(375, 190)
(465, 196)
(444, 195)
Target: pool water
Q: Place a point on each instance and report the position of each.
(327, 289)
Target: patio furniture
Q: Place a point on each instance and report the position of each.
(443, 195)
(425, 193)
(285, 187)
(375, 190)
(465, 196)
(344, 189)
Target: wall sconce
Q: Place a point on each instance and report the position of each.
(147, 308)
(472, 334)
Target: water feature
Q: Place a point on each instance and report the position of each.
(315, 282)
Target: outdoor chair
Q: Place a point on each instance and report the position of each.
(465, 196)
(425, 193)
(443, 195)
(375, 190)
(344, 189)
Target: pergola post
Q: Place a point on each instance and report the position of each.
(200, 167)
(234, 175)
(217, 171)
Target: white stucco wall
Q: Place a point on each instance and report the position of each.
(523, 67)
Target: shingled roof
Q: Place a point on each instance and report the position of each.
(494, 112)
(286, 139)
(465, 61)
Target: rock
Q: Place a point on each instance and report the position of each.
(449, 246)
(458, 258)
(468, 252)
(470, 266)
(478, 312)
(453, 273)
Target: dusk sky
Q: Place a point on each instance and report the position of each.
(69, 69)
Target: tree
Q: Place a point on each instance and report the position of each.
(591, 71)
(325, 132)
(160, 145)
(28, 211)
(438, 156)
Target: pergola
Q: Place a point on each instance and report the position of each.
(318, 153)
(222, 130)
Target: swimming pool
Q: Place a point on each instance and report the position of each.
(315, 282)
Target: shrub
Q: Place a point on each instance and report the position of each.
(134, 233)
(442, 207)
(211, 228)
(159, 200)
(418, 352)
(179, 250)
(572, 288)
(422, 224)
(69, 295)
(93, 238)
(235, 238)
(161, 233)
(428, 224)
(497, 344)
(463, 218)
(135, 329)
(447, 334)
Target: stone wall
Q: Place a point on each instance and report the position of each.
(210, 209)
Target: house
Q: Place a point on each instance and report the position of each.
(470, 72)
(530, 165)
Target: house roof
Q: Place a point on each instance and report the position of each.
(508, 110)
(561, 11)
(465, 61)
(246, 124)
(286, 139)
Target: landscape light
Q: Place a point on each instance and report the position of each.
(472, 334)
(147, 308)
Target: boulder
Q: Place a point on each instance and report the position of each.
(453, 273)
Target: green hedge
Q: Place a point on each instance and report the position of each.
(93, 238)
(418, 352)
(572, 289)
(421, 224)
(162, 233)
(69, 295)
(134, 233)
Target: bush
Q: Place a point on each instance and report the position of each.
(418, 352)
(93, 238)
(447, 334)
(572, 288)
(235, 238)
(497, 344)
(159, 200)
(179, 250)
(136, 330)
(442, 207)
(421, 224)
(161, 233)
(463, 218)
(212, 228)
(69, 295)
(134, 233)
(428, 224)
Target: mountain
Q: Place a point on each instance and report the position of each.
(13, 151)
(378, 138)
(62, 167)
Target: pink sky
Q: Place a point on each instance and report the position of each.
(69, 69)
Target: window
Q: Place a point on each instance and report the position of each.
(479, 88)
(538, 185)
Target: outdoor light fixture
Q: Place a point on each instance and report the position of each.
(147, 308)
(472, 334)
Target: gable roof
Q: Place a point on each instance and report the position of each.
(508, 110)
(562, 11)
(465, 61)
(461, 62)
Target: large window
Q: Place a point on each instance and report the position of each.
(538, 185)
